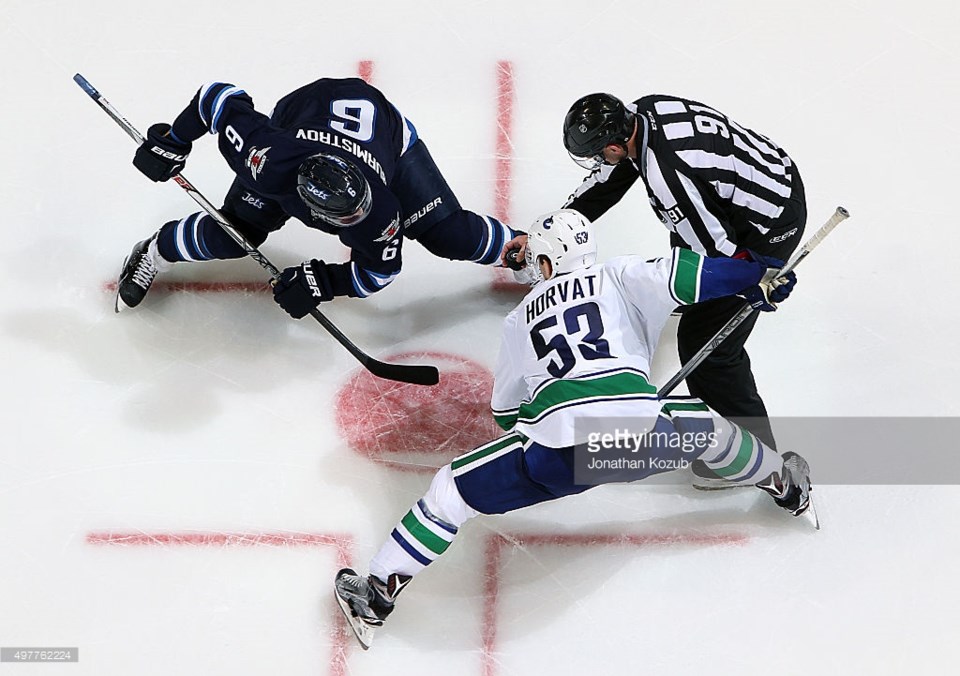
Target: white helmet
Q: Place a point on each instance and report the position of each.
(564, 237)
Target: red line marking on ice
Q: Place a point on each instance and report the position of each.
(493, 555)
(503, 281)
(365, 70)
(201, 287)
(504, 151)
(342, 543)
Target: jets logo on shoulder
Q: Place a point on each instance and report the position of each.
(256, 161)
(390, 231)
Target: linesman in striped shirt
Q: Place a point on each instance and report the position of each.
(719, 188)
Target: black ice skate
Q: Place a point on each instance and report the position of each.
(366, 601)
(140, 268)
(792, 490)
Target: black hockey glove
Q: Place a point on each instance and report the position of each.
(302, 288)
(160, 157)
(772, 288)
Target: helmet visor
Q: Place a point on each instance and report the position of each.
(338, 219)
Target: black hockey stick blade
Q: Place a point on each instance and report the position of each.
(405, 373)
(414, 374)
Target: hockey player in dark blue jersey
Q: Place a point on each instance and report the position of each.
(334, 154)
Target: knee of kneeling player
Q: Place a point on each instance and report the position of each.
(552, 469)
(252, 233)
(444, 501)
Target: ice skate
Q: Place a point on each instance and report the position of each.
(366, 601)
(140, 268)
(791, 491)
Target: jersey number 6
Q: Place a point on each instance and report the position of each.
(591, 346)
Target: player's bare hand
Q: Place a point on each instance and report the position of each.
(518, 244)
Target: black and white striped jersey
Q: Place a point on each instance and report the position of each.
(715, 184)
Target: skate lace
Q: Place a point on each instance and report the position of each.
(145, 272)
(354, 583)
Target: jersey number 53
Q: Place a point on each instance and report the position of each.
(591, 346)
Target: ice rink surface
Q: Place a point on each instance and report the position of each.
(178, 485)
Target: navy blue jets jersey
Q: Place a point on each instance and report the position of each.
(343, 117)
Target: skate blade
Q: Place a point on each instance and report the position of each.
(704, 484)
(811, 514)
(118, 304)
(363, 631)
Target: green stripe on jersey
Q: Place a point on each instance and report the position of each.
(484, 451)
(562, 392)
(686, 276)
(744, 454)
(506, 421)
(686, 406)
(424, 535)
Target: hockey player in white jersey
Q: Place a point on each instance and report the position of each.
(579, 347)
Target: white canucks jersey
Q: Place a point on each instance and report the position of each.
(580, 344)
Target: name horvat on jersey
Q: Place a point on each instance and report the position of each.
(344, 144)
(567, 289)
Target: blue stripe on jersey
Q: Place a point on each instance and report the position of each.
(184, 242)
(435, 519)
(361, 290)
(497, 235)
(200, 226)
(409, 549)
(484, 244)
(756, 463)
(410, 135)
(211, 102)
(374, 281)
(380, 280)
(409, 132)
(218, 106)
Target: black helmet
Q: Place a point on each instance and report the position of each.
(594, 122)
(334, 189)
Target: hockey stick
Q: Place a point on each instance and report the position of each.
(735, 321)
(405, 373)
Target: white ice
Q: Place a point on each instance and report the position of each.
(214, 413)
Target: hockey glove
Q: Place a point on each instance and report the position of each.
(772, 288)
(302, 288)
(160, 157)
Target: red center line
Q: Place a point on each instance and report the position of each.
(504, 169)
(201, 287)
(365, 70)
(341, 542)
(493, 555)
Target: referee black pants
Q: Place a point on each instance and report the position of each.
(724, 380)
